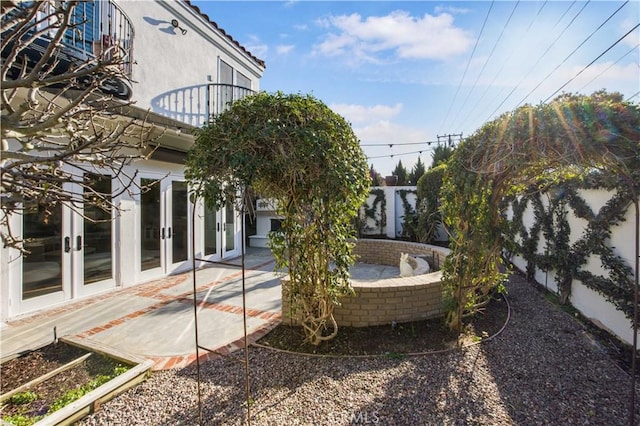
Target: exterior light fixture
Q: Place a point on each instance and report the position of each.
(176, 24)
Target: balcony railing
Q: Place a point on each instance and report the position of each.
(97, 29)
(195, 105)
(220, 96)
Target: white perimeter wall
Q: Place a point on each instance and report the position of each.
(394, 210)
(590, 303)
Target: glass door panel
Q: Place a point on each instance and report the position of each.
(180, 221)
(230, 228)
(97, 249)
(210, 232)
(42, 267)
(150, 216)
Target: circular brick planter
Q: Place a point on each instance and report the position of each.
(389, 300)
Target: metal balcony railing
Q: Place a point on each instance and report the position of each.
(100, 27)
(97, 28)
(195, 105)
(220, 96)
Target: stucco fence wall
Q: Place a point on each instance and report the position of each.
(379, 302)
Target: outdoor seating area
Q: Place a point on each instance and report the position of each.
(388, 300)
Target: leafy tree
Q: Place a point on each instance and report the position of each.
(440, 155)
(417, 172)
(428, 203)
(401, 173)
(296, 150)
(57, 123)
(376, 178)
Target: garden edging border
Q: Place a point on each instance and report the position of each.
(90, 402)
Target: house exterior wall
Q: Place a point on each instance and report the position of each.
(171, 74)
(173, 69)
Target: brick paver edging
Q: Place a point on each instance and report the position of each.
(178, 361)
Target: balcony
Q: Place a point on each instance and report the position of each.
(97, 29)
(195, 105)
(101, 27)
(220, 96)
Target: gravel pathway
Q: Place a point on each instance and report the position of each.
(544, 369)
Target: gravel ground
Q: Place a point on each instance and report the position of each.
(544, 369)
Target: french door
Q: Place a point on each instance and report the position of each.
(164, 226)
(70, 248)
(221, 229)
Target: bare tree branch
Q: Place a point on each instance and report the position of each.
(61, 127)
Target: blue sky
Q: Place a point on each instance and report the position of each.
(404, 73)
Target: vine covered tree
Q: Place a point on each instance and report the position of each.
(441, 155)
(533, 147)
(298, 152)
(429, 204)
(59, 132)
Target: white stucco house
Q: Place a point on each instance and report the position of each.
(184, 68)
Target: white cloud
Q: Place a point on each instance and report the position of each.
(366, 114)
(283, 49)
(406, 36)
(388, 132)
(451, 9)
(632, 39)
(605, 75)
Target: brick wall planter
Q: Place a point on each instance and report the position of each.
(393, 299)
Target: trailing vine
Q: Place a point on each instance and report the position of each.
(371, 212)
(410, 223)
(568, 260)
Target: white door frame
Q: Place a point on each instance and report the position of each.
(221, 229)
(165, 232)
(71, 262)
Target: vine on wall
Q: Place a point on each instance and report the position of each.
(379, 204)
(567, 260)
(410, 223)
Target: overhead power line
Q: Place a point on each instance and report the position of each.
(399, 154)
(484, 66)
(392, 144)
(610, 66)
(539, 59)
(468, 63)
(571, 54)
(443, 140)
(592, 62)
(504, 64)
